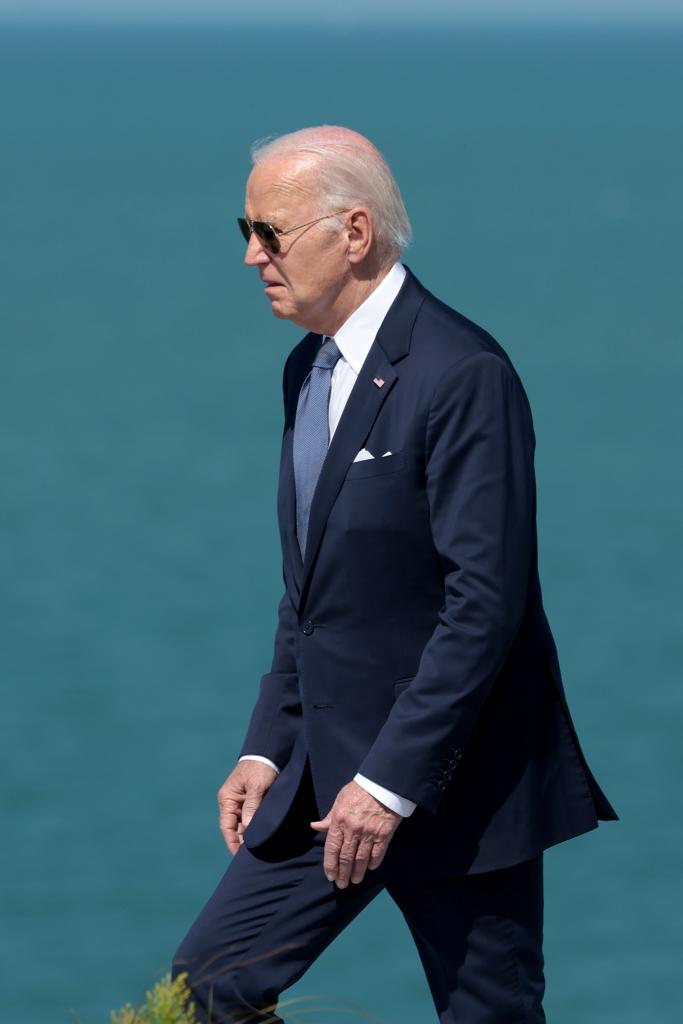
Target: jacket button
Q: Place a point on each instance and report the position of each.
(457, 754)
(307, 627)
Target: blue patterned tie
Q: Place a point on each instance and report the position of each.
(312, 433)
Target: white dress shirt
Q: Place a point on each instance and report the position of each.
(354, 340)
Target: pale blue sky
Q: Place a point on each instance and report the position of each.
(316, 10)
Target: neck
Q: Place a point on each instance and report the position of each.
(353, 294)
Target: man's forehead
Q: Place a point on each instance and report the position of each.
(280, 184)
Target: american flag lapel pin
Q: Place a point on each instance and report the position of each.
(378, 381)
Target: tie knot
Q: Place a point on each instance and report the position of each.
(328, 354)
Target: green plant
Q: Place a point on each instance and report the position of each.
(167, 1003)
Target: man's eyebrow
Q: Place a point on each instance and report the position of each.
(275, 219)
(272, 219)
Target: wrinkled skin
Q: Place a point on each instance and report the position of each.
(358, 826)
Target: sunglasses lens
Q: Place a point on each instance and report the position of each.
(267, 235)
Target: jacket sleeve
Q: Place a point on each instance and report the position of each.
(276, 718)
(481, 495)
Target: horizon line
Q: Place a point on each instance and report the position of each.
(405, 19)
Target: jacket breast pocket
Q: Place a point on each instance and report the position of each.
(376, 467)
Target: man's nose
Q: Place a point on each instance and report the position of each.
(256, 254)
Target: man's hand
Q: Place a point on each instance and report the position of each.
(239, 797)
(358, 832)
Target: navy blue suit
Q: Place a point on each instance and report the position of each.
(412, 645)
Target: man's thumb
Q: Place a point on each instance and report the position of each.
(325, 823)
(249, 807)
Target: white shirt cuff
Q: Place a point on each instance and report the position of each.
(400, 804)
(259, 757)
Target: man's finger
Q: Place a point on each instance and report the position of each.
(229, 825)
(232, 841)
(229, 821)
(251, 804)
(346, 859)
(229, 815)
(323, 824)
(362, 860)
(333, 843)
(363, 855)
(377, 855)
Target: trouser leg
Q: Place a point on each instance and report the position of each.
(267, 921)
(480, 940)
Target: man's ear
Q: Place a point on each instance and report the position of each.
(360, 234)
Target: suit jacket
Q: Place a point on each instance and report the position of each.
(411, 644)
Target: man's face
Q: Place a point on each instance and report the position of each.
(303, 281)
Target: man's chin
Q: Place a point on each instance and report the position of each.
(281, 309)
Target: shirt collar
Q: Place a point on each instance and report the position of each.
(355, 337)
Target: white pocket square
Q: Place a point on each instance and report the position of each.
(365, 454)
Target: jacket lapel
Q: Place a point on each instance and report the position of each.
(361, 410)
(296, 371)
(287, 517)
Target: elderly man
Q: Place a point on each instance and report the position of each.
(413, 732)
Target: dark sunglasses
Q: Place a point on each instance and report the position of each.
(269, 235)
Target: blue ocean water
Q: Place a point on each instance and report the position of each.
(139, 431)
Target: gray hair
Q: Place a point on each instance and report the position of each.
(349, 171)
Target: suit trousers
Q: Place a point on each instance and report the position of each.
(479, 937)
